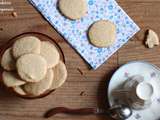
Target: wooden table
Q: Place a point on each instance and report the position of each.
(93, 84)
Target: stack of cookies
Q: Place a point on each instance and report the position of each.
(32, 67)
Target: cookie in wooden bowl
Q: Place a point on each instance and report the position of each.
(32, 64)
(31, 67)
(60, 75)
(50, 53)
(7, 60)
(102, 33)
(41, 87)
(73, 9)
(26, 45)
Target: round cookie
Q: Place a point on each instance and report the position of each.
(31, 67)
(50, 53)
(11, 79)
(40, 87)
(19, 90)
(73, 9)
(7, 61)
(102, 33)
(60, 75)
(26, 45)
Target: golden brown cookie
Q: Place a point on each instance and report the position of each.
(11, 79)
(102, 33)
(26, 45)
(73, 9)
(19, 90)
(7, 61)
(60, 75)
(31, 67)
(50, 53)
(40, 87)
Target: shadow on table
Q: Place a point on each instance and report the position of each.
(5, 95)
(102, 95)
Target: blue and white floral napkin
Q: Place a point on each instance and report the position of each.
(75, 32)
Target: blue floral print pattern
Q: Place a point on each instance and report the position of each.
(75, 32)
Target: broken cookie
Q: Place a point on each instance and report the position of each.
(152, 39)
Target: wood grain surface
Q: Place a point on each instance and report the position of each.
(93, 84)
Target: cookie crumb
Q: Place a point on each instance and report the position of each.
(82, 93)
(14, 14)
(80, 71)
(152, 39)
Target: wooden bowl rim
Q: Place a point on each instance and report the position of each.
(11, 41)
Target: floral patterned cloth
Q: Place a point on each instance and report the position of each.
(75, 32)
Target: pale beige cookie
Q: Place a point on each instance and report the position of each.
(19, 90)
(73, 9)
(26, 45)
(40, 87)
(60, 75)
(11, 79)
(31, 67)
(102, 33)
(152, 39)
(7, 61)
(50, 53)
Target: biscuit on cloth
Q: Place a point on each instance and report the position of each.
(152, 39)
(102, 33)
(7, 61)
(73, 9)
(19, 90)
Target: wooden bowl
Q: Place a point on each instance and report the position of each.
(42, 37)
